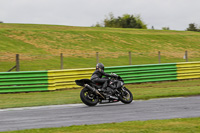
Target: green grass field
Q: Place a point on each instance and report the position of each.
(39, 46)
(141, 91)
(184, 125)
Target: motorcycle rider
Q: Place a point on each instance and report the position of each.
(97, 76)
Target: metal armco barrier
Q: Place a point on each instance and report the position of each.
(28, 81)
(188, 70)
(61, 79)
(145, 73)
(23, 81)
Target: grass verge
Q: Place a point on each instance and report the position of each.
(39, 46)
(184, 125)
(141, 91)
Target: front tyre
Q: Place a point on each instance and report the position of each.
(126, 96)
(88, 97)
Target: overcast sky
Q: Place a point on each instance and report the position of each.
(176, 14)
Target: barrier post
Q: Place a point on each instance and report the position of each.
(130, 58)
(61, 60)
(97, 57)
(159, 61)
(17, 63)
(186, 56)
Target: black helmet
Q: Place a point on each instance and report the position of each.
(100, 65)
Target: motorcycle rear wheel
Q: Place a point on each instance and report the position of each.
(88, 97)
(126, 96)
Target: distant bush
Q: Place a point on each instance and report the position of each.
(165, 28)
(97, 25)
(125, 21)
(1, 21)
(193, 27)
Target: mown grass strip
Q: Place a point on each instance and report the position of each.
(184, 125)
(39, 46)
(140, 91)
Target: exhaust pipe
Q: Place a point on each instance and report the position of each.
(113, 97)
(93, 90)
(89, 87)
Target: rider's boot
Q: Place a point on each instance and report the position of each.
(104, 87)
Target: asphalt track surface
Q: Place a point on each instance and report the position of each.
(79, 114)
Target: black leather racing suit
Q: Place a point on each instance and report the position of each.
(97, 78)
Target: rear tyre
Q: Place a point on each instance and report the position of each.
(88, 97)
(126, 96)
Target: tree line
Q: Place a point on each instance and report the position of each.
(133, 21)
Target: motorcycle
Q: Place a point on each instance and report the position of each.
(92, 94)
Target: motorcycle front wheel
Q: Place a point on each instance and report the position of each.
(88, 97)
(125, 96)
